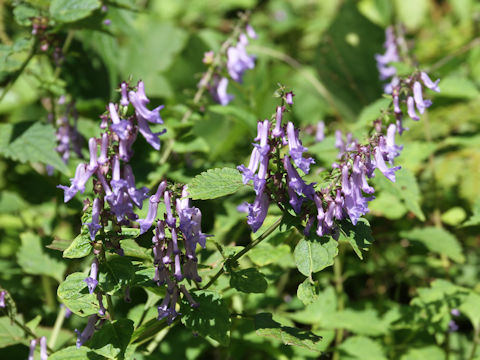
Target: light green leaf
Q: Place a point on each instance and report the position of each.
(67, 11)
(470, 307)
(475, 218)
(437, 240)
(359, 236)
(74, 353)
(79, 248)
(360, 347)
(115, 274)
(73, 293)
(10, 333)
(112, 339)
(35, 144)
(372, 112)
(33, 260)
(215, 183)
(454, 216)
(248, 281)
(312, 255)
(458, 87)
(210, 319)
(428, 352)
(266, 326)
(307, 292)
(132, 249)
(265, 254)
(412, 13)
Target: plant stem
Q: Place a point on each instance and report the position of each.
(158, 338)
(57, 326)
(338, 278)
(49, 295)
(110, 307)
(246, 249)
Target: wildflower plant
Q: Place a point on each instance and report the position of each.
(227, 219)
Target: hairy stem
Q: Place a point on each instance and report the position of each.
(246, 249)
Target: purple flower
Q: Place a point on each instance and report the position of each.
(452, 326)
(392, 149)
(250, 32)
(176, 252)
(455, 312)
(121, 127)
(146, 223)
(2, 299)
(417, 95)
(339, 144)
(88, 331)
(43, 348)
(94, 225)
(185, 292)
(289, 98)
(139, 101)
(31, 353)
(101, 310)
(257, 212)
(322, 229)
(297, 150)
(137, 195)
(218, 90)
(238, 61)
(103, 158)
(391, 55)
(320, 133)
(355, 204)
(124, 100)
(295, 182)
(411, 109)
(278, 131)
(359, 176)
(389, 173)
(92, 279)
(429, 83)
(152, 138)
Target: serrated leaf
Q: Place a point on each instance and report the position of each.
(307, 292)
(73, 293)
(33, 260)
(10, 333)
(132, 249)
(360, 347)
(67, 11)
(266, 326)
(359, 236)
(210, 319)
(265, 254)
(248, 281)
(437, 240)
(215, 183)
(79, 248)
(35, 144)
(312, 255)
(470, 307)
(112, 339)
(115, 274)
(74, 353)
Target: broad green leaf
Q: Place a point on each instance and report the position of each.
(24, 13)
(360, 347)
(317, 312)
(412, 13)
(67, 11)
(359, 236)
(454, 216)
(458, 87)
(437, 240)
(362, 322)
(430, 352)
(35, 144)
(73, 293)
(115, 274)
(307, 292)
(248, 281)
(10, 333)
(265, 254)
(33, 259)
(313, 255)
(266, 326)
(11, 202)
(215, 183)
(79, 248)
(112, 339)
(470, 307)
(131, 248)
(372, 112)
(74, 353)
(210, 319)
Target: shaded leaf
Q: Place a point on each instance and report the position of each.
(360, 347)
(10, 333)
(359, 236)
(73, 293)
(248, 281)
(112, 339)
(115, 274)
(67, 11)
(79, 248)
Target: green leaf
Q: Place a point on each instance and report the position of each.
(24, 13)
(454, 216)
(266, 326)
(10, 333)
(35, 144)
(265, 254)
(79, 248)
(359, 236)
(215, 183)
(33, 260)
(428, 352)
(312, 255)
(360, 347)
(475, 218)
(74, 353)
(73, 293)
(67, 11)
(372, 112)
(470, 307)
(437, 240)
(11, 202)
(307, 292)
(210, 319)
(458, 87)
(112, 339)
(248, 281)
(115, 274)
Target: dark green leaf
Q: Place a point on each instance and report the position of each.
(112, 339)
(73, 293)
(210, 319)
(248, 281)
(10, 333)
(115, 274)
(359, 236)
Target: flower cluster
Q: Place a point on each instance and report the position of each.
(385, 69)
(168, 258)
(238, 61)
(43, 348)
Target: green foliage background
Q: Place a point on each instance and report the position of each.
(392, 301)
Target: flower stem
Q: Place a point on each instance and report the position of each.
(57, 327)
(246, 249)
